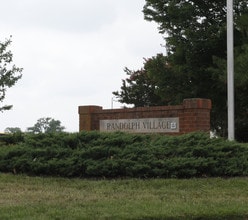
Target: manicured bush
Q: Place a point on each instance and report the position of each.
(14, 138)
(110, 155)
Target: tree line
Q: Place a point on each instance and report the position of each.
(43, 125)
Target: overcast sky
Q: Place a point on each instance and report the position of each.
(73, 53)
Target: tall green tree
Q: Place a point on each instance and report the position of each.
(138, 89)
(195, 65)
(46, 125)
(157, 83)
(195, 34)
(9, 73)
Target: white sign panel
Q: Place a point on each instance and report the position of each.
(141, 125)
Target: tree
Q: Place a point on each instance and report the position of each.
(195, 65)
(155, 84)
(138, 89)
(46, 125)
(196, 45)
(9, 74)
(241, 91)
(13, 130)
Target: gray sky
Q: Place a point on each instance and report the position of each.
(73, 53)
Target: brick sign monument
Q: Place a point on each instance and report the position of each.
(192, 115)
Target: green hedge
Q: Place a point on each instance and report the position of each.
(110, 155)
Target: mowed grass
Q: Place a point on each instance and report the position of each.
(24, 197)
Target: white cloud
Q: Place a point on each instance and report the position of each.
(73, 57)
(73, 15)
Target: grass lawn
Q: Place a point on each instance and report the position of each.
(24, 197)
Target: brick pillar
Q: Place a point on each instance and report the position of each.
(196, 115)
(86, 116)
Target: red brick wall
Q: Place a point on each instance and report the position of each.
(193, 114)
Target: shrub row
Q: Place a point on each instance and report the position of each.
(95, 154)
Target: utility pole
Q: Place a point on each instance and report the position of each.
(230, 71)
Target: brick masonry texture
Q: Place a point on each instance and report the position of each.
(193, 114)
